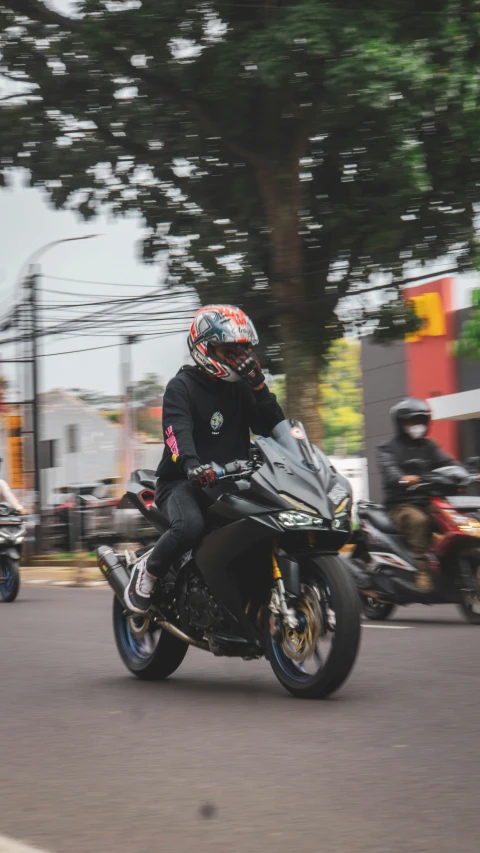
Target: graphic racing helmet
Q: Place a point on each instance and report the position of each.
(219, 324)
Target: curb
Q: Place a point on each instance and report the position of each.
(76, 584)
(62, 576)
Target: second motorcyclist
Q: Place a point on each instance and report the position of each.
(398, 461)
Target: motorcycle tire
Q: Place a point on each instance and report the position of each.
(331, 577)
(375, 610)
(10, 584)
(468, 613)
(466, 605)
(152, 657)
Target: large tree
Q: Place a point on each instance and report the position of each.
(281, 151)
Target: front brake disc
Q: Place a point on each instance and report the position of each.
(300, 643)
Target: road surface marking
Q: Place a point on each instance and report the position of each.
(387, 627)
(9, 845)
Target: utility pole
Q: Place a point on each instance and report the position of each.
(127, 432)
(32, 284)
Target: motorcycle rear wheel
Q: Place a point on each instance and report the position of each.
(9, 579)
(469, 604)
(152, 657)
(329, 580)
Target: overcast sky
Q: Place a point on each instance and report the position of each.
(27, 222)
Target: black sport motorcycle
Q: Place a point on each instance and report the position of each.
(384, 566)
(12, 534)
(266, 579)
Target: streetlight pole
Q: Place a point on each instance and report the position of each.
(31, 282)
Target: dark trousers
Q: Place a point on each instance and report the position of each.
(180, 504)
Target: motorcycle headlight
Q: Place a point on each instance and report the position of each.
(291, 519)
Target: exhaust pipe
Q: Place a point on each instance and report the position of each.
(172, 629)
(117, 576)
(113, 570)
(377, 596)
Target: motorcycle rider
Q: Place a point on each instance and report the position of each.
(398, 461)
(7, 496)
(208, 412)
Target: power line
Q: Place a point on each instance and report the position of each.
(118, 316)
(123, 300)
(91, 349)
(167, 294)
(86, 281)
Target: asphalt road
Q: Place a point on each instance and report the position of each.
(219, 758)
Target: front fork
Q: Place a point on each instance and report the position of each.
(278, 600)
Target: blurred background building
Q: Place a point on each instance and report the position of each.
(79, 445)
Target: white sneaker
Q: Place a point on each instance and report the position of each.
(138, 593)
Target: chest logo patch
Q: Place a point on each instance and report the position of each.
(216, 422)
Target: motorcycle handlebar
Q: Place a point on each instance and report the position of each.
(238, 468)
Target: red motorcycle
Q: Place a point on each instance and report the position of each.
(384, 567)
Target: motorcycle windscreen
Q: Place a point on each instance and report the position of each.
(295, 468)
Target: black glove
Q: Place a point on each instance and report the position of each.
(203, 475)
(247, 365)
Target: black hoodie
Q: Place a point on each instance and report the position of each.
(397, 458)
(209, 420)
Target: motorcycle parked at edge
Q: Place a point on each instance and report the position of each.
(12, 534)
(265, 581)
(384, 567)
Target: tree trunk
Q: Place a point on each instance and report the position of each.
(302, 380)
(282, 197)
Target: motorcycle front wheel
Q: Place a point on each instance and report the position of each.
(315, 659)
(9, 579)
(151, 654)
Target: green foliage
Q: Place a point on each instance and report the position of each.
(95, 398)
(395, 320)
(468, 345)
(280, 152)
(341, 399)
(148, 392)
